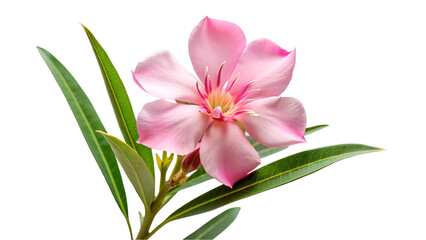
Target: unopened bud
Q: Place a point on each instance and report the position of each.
(191, 162)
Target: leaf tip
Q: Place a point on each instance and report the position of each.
(322, 126)
(373, 149)
(376, 149)
(85, 28)
(40, 49)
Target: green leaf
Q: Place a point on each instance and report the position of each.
(134, 167)
(270, 176)
(216, 226)
(265, 151)
(89, 122)
(200, 175)
(120, 102)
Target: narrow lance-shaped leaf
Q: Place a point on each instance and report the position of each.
(200, 175)
(265, 151)
(120, 102)
(270, 176)
(134, 167)
(89, 122)
(215, 226)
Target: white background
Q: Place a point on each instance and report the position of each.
(360, 68)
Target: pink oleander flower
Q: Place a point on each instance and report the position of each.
(236, 85)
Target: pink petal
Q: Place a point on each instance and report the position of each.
(266, 63)
(213, 42)
(162, 76)
(226, 154)
(276, 122)
(172, 127)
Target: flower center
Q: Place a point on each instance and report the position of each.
(221, 101)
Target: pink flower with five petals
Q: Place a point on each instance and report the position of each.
(237, 83)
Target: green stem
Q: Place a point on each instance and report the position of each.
(158, 201)
(178, 166)
(163, 177)
(150, 213)
(157, 228)
(130, 228)
(146, 224)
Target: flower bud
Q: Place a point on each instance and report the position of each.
(191, 162)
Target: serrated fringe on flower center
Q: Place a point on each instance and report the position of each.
(223, 102)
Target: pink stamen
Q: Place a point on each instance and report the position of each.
(248, 101)
(242, 89)
(205, 76)
(206, 81)
(219, 75)
(203, 104)
(205, 110)
(206, 85)
(224, 86)
(245, 95)
(210, 84)
(232, 84)
(202, 95)
(201, 84)
(241, 112)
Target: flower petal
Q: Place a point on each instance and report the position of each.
(226, 154)
(172, 127)
(162, 76)
(266, 63)
(276, 122)
(213, 42)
